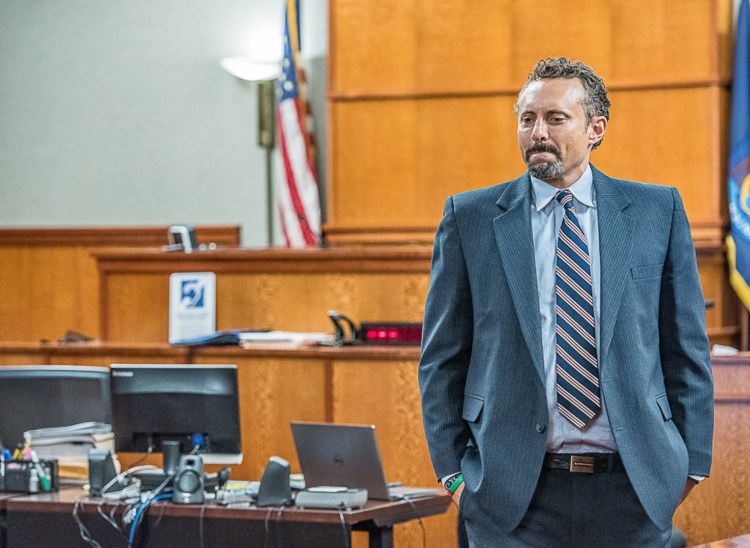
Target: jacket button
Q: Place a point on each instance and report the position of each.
(541, 428)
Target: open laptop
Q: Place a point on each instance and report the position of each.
(347, 455)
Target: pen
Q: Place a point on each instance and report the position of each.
(27, 449)
(43, 479)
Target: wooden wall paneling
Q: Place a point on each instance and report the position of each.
(300, 301)
(724, 38)
(44, 293)
(400, 160)
(257, 290)
(720, 506)
(21, 354)
(275, 289)
(429, 47)
(106, 355)
(273, 393)
(386, 393)
(397, 161)
(401, 90)
(722, 319)
(134, 307)
(137, 304)
(50, 280)
(668, 137)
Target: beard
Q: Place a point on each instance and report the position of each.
(544, 170)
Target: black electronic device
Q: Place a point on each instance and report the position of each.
(170, 451)
(347, 332)
(391, 333)
(274, 487)
(195, 405)
(42, 396)
(151, 480)
(187, 486)
(101, 471)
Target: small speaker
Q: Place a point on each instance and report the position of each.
(101, 471)
(187, 487)
(170, 452)
(274, 485)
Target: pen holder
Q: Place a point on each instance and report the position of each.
(25, 476)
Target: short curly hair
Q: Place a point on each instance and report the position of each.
(595, 99)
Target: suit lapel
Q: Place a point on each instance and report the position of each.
(515, 244)
(615, 242)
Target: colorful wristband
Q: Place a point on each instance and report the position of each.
(453, 484)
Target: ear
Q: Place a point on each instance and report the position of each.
(597, 129)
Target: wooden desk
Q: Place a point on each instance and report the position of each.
(4, 497)
(46, 520)
(281, 383)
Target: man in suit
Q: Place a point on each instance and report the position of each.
(565, 375)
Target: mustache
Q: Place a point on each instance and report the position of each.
(542, 147)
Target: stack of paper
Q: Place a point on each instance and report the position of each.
(70, 444)
(247, 338)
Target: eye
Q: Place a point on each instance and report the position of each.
(557, 119)
(527, 120)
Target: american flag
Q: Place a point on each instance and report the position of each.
(297, 188)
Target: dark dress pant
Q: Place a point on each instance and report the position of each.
(599, 510)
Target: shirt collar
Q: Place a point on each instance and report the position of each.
(582, 190)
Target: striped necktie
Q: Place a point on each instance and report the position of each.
(577, 367)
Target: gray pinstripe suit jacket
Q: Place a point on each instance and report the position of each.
(481, 373)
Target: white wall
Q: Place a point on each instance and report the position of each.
(118, 113)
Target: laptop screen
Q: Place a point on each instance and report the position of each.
(342, 455)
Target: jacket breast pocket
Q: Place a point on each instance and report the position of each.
(472, 408)
(647, 271)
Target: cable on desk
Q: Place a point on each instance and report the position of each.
(155, 495)
(82, 529)
(201, 537)
(343, 526)
(110, 518)
(265, 526)
(279, 530)
(130, 491)
(144, 457)
(139, 512)
(407, 498)
(162, 510)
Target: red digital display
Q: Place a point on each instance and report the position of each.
(394, 333)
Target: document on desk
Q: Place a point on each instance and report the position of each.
(71, 444)
(76, 432)
(297, 337)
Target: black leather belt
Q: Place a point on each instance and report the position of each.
(584, 464)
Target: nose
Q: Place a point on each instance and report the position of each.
(539, 132)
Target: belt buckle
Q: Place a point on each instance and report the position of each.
(582, 464)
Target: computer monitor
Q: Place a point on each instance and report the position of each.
(196, 405)
(40, 396)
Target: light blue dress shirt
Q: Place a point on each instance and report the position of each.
(546, 218)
